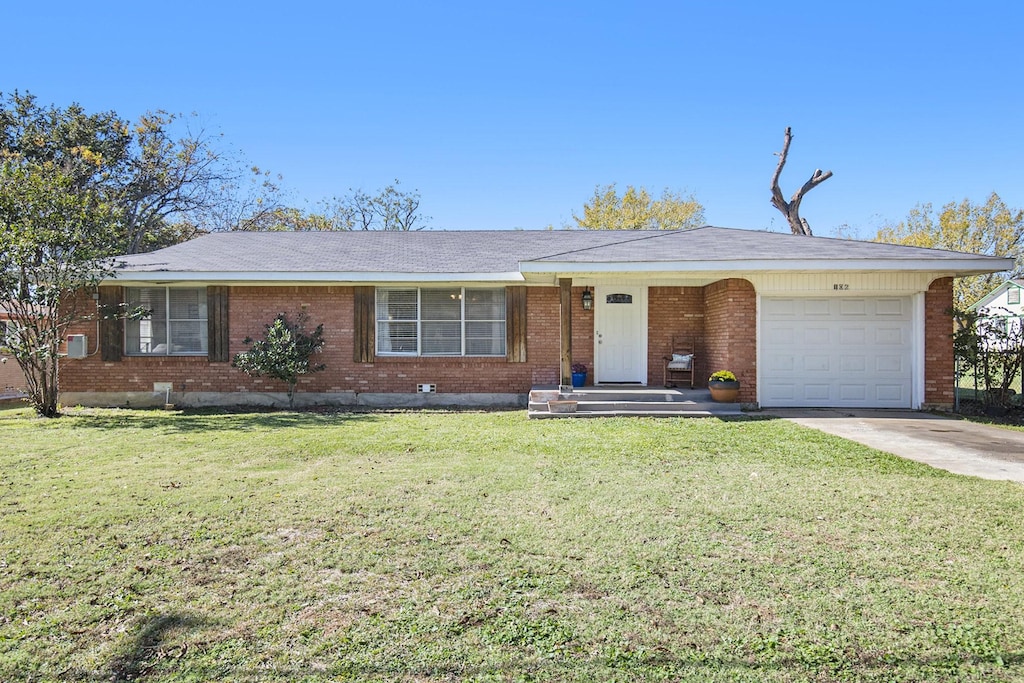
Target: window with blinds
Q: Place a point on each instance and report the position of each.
(450, 321)
(176, 323)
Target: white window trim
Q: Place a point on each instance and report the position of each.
(418, 321)
(167, 325)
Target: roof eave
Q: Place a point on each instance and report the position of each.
(967, 266)
(323, 277)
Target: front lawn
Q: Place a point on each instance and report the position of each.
(483, 546)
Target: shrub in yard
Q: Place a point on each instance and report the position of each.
(285, 353)
(989, 346)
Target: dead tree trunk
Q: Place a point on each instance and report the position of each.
(791, 209)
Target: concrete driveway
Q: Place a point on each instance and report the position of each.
(956, 445)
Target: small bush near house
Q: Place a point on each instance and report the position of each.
(989, 352)
(285, 353)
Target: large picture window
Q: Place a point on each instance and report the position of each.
(450, 321)
(176, 324)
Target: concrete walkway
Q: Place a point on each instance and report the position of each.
(955, 445)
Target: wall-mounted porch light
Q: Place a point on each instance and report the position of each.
(588, 299)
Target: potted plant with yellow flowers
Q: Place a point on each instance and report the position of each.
(724, 386)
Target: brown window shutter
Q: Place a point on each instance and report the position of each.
(111, 323)
(364, 324)
(515, 324)
(218, 348)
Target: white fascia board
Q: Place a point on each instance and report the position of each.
(328, 278)
(951, 266)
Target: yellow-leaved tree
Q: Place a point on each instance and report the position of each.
(991, 228)
(637, 210)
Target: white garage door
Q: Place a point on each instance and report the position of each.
(836, 352)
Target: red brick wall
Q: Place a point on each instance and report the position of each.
(11, 378)
(938, 344)
(582, 332)
(730, 333)
(674, 312)
(251, 308)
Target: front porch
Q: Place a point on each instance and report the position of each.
(623, 331)
(629, 400)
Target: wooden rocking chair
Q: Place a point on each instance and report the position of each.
(679, 364)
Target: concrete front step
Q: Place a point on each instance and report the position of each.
(647, 396)
(648, 406)
(544, 414)
(652, 394)
(606, 401)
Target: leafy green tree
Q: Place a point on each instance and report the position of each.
(636, 210)
(388, 209)
(167, 188)
(285, 353)
(286, 218)
(54, 237)
(990, 228)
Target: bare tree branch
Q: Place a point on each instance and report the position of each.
(791, 209)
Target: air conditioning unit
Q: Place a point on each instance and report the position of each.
(78, 346)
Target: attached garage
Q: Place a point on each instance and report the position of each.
(847, 352)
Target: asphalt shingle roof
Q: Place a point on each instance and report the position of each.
(489, 251)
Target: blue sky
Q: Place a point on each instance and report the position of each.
(508, 114)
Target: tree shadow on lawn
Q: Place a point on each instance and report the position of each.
(212, 419)
(137, 657)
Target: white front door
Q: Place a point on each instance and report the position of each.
(620, 334)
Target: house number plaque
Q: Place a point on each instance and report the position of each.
(619, 299)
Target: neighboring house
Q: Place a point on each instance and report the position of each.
(482, 316)
(1002, 308)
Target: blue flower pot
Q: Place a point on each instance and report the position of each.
(579, 379)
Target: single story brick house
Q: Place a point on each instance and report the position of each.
(481, 317)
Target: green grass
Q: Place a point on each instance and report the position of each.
(485, 547)
(967, 381)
